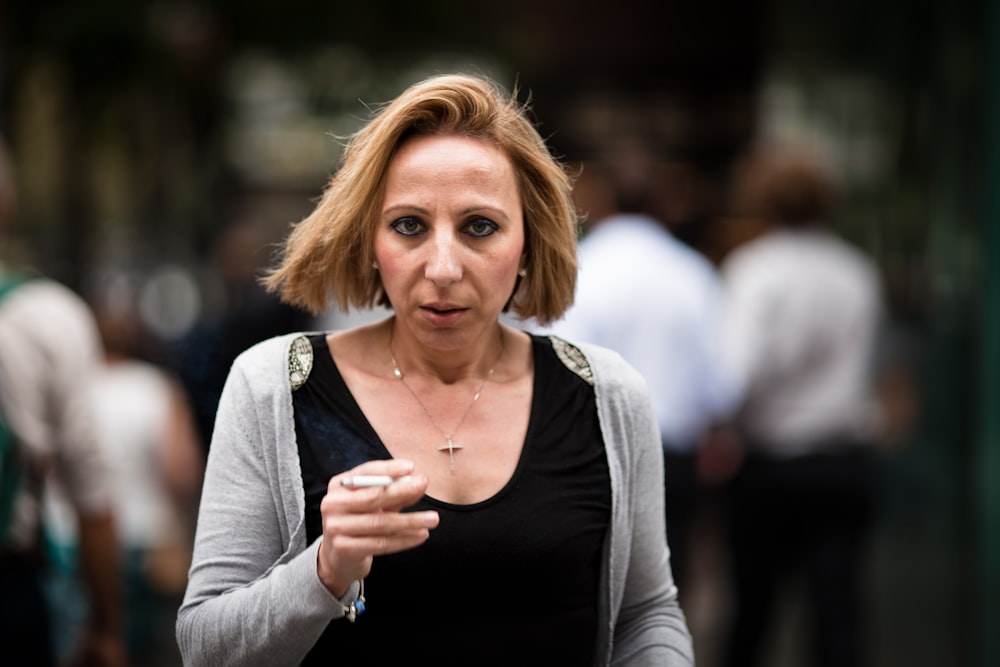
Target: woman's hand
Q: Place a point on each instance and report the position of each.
(359, 523)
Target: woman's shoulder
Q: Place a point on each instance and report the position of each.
(274, 355)
(599, 365)
(269, 347)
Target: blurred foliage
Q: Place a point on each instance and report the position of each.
(152, 124)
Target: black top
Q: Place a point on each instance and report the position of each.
(512, 580)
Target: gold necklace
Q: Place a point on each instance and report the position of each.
(449, 445)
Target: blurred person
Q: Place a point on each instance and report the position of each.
(657, 302)
(522, 520)
(803, 318)
(147, 429)
(49, 354)
(241, 313)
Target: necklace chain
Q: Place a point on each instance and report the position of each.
(449, 445)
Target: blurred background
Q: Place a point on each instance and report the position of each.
(160, 147)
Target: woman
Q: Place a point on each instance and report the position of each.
(525, 520)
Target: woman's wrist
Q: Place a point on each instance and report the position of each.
(351, 600)
(338, 589)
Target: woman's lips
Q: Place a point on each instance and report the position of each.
(442, 314)
(442, 307)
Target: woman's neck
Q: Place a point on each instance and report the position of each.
(476, 360)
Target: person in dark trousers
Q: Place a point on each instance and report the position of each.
(803, 318)
(49, 352)
(658, 302)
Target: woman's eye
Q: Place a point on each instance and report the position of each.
(481, 227)
(407, 226)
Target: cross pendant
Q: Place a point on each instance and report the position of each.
(451, 447)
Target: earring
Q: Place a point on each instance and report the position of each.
(375, 265)
(522, 272)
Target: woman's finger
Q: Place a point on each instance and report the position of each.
(378, 524)
(366, 493)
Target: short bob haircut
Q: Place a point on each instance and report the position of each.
(330, 253)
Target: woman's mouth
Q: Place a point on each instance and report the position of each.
(442, 308)
(442, 314)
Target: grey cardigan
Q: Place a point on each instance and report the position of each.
(254, 597)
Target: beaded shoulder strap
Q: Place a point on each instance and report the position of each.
(573, 359)
(300, 361)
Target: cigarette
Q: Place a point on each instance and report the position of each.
(363, 481)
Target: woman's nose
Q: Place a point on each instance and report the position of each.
(444, 266)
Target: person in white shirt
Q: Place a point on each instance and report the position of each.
(148, 432)
(49, 352)
(802, 319)
(656, 301)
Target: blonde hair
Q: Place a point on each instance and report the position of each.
(330, 253)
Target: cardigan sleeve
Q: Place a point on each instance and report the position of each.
(250, 599)
(649, 627)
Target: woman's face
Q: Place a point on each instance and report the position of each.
(450, 238)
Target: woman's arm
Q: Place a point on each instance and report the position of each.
(649, 626)
(251, 600)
